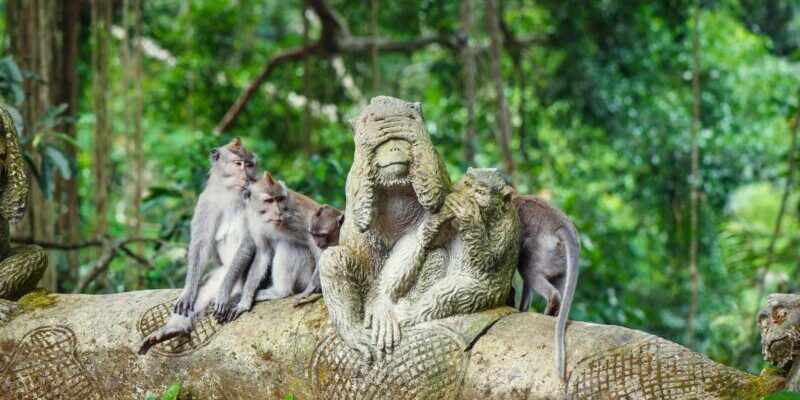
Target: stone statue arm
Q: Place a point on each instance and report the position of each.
(472, 229)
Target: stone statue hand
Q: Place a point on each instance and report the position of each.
(380, 317)
(185, 303)
(464, 209)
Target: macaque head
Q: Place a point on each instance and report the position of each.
(269, 198)
(486, 186)
(325, 226)
(780, 330)
(233, 165)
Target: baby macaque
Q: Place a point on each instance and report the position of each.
(548, 261)
(325, 226)
(218, 234)
(278, 224)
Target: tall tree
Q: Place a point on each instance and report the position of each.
(694, 181)
(468, 55)
(68, 94)
(495, 45)
(101, 29)
(373, 27)
(32, 29)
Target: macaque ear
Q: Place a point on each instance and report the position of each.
(319, 211)
(215, 154)
(246, 194)
(235, 143)
(340, 220)
(268, 178)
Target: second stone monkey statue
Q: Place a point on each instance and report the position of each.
(397, 182)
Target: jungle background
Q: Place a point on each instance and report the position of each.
(666, 130)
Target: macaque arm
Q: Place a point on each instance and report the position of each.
(242, 260)
(202, 233)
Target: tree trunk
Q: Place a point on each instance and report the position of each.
(70, 228)
(30, 25)
(694, 195)
(495, 44)
(468, 55)
(275, 350)
(101, 32)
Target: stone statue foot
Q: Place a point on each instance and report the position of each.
(21, 271)
(7, 310)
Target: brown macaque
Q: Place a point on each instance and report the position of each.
(548, 261)
(218, 235)
(277, 223)
(325, 226)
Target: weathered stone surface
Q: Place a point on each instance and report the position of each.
(780, 334)
(86, 345)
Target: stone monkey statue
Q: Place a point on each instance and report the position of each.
(780, 335)
(397, 182)
(482, 213)
(218, 234)
(21, 267)
(548, 262)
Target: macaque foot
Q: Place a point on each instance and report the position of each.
(553, 303)
(185, 304)
(233, 313)
(302, 299)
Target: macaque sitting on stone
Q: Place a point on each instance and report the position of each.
(324, 228)
(218, 234)
(278, 224)
(548, 262)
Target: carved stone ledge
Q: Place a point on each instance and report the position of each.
(277, 349)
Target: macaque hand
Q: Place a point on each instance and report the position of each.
(385, 328)
(185, 304)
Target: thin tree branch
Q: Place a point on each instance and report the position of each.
(110, 250)
(57, 246)
(335, 39)
(694, 195)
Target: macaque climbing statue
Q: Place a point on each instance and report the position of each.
(397, 184)
(21, 267)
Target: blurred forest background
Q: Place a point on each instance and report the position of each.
(603, 111)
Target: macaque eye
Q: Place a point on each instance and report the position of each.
(249, 165)
(269, 200)
(239, 163)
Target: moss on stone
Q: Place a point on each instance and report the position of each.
(39, 298)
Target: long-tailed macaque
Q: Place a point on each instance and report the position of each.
(278, 226)
(218, 234)
(324, 228)
(548, 261)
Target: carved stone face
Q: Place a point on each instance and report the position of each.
(486, 186)
(392, 161)
(780, 329)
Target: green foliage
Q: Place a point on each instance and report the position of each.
(172, 393)
(289, 397)
(783, 396)
(600, 103)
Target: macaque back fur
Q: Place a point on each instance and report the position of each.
(548, 262)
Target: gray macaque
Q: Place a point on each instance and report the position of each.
(219, 235)
(548, 262)
(277, 222)
(324, 228)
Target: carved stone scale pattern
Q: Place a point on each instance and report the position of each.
(45, 365)
(656, 369)
(156, 317)
(429, 363)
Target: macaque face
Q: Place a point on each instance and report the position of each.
(392, 160)
(234, 165)
(270, 198)
(325, 226)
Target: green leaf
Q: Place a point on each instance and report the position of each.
(60, 160)
(783, 396)
(289, 397)
(150, 397)
(65, 138)
(173, 392)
